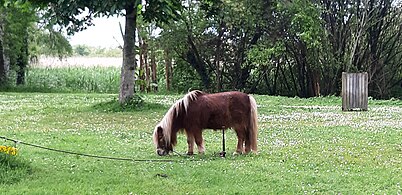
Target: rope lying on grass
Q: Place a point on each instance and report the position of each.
(89, 155)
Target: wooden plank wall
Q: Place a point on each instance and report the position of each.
(354, 91)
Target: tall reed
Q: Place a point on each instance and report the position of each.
(74, 79)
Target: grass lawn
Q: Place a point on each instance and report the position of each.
(305, 146)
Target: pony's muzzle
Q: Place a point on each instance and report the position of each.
(161, 152)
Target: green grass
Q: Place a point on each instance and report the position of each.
(306, 146)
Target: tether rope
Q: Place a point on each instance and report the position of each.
(89, 155)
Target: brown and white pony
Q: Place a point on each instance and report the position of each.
(198, 110)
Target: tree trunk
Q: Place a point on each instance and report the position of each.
(219, 55)
(237, 73)
(153, 67)
(127, 81)
(3, 75)
(22, 59)
(276, 74)
(147, 72)
(168, 68)
(218, 67)
(218, 76)
(3, 62)
(141, 75)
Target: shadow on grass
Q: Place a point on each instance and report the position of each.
(13, 169)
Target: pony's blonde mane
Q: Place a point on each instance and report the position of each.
(174, 110)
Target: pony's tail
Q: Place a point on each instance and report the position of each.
(253, 126)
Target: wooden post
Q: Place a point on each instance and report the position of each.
(354, 91)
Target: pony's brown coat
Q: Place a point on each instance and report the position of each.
(198, 110)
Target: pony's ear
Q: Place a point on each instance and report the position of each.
(159, 131)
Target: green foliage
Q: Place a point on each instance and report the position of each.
(13, 169)
(262, 54)
(186, 79)
(305, 146)
(215, 38)
(69, 13)
(305, 21)
(162, 12)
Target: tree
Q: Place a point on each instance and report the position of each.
(311, 43)
(293, 48)
(68, 13)
(21, 40)
(364, 36)
(381, 50)
(16, 18)
(213, 37)
(147, 45)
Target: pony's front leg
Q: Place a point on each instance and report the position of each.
(199, 141)
(190, 143)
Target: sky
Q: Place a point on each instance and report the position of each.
(105, 33)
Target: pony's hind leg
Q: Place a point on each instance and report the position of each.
(247, 144)
(199, 141)
(190, 143)
(240, 141)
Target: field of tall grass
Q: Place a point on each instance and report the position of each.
(77, 61)
(73, 74)
(74, 79)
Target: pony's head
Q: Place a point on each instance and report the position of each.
(163, 145)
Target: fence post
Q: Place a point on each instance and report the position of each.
(354, 91)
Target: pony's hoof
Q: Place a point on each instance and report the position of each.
(236, 153)
(190, 153)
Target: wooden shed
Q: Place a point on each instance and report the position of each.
(354, 91)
